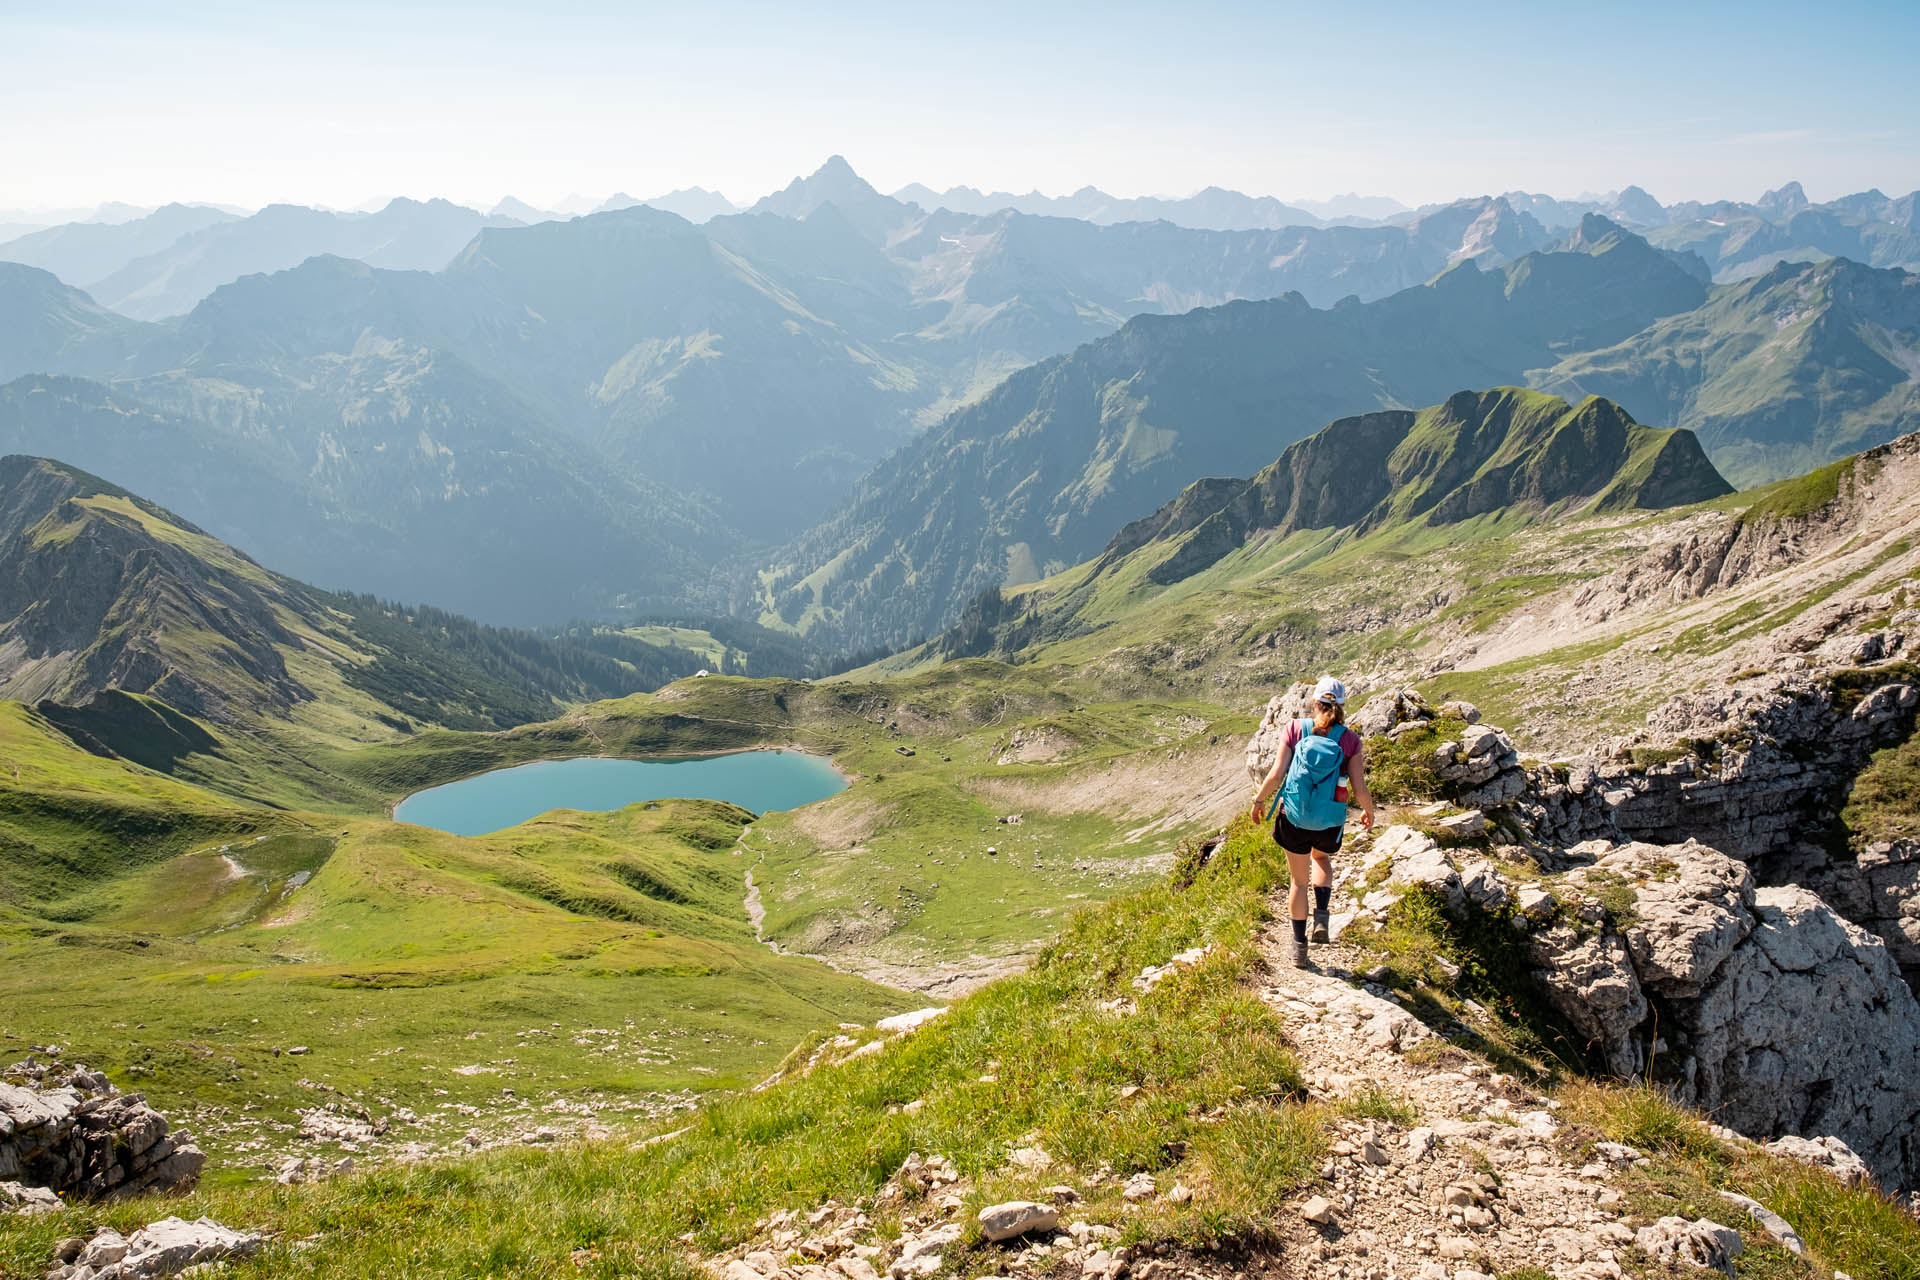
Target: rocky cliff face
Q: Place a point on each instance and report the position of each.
(1762, 778)
(1696, 919)
(1759, 1005)
(1758, 770)
(1784, 528)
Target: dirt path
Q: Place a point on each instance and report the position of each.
(1475, 1182)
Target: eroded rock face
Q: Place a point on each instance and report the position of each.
(1761, 1006)
(1593, 984)
(1810, 1030)
(77, 1136)
(1779, 756)
(1767, 765)
(1693, 905)
(1879, 891)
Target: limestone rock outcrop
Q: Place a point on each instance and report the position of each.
(1762, 766)
(1760, 771)
(1759, 1005)
(1263, 748)
(73, 1134)
(165, 1248)
(1879, 890)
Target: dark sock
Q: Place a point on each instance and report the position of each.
(1299, 930)
(1322, 895)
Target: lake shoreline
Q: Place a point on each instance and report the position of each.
(844, 777)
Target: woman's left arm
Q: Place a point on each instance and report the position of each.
(1357, 776)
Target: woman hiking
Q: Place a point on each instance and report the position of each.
(1312, 814)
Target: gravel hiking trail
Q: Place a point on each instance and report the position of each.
(1474, 1180)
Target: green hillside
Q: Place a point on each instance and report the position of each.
(608, 969)
(1507, 452)
(1776, 375)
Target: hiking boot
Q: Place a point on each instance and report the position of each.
(1300, 960)
(1318, 933)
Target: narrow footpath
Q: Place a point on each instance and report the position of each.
(1476, 1184)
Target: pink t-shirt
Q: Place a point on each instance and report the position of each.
(1349, 740)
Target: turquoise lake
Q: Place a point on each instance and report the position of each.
(756, 780)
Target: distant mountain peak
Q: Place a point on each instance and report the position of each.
(835, 182)
(1638, 207)
(1783, 201)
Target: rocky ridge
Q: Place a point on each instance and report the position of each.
(1669, 902)
(1757, 768)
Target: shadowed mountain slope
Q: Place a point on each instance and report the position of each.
(82, 253)
(104, 594)
(47, 325)
(399, 471)
(406, 235)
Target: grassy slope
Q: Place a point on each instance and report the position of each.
(406, 940)
(1766, 369)
(409, 953)
(1379, 606)
(69, 819)
(1030, 1059)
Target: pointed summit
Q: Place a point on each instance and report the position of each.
(836, 183)
(1591, 236)
(833, 181)
(1782, 203)
(837, 169)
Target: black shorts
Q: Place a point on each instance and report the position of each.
(1299, 839)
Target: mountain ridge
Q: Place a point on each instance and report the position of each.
(1062, 453)
(142, 636)
(1476, 454)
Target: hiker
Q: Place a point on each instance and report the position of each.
(1312, 814)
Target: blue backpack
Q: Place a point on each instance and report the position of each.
(1308, 793)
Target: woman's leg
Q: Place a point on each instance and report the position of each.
(1299, 872)
(1322, 870)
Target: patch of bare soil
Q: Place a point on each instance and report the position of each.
(1162, 791)
(840, 822)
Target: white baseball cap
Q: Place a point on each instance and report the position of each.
(1330, 690)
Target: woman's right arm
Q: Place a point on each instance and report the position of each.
(1265, 790)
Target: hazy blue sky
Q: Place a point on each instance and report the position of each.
(338, 103)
